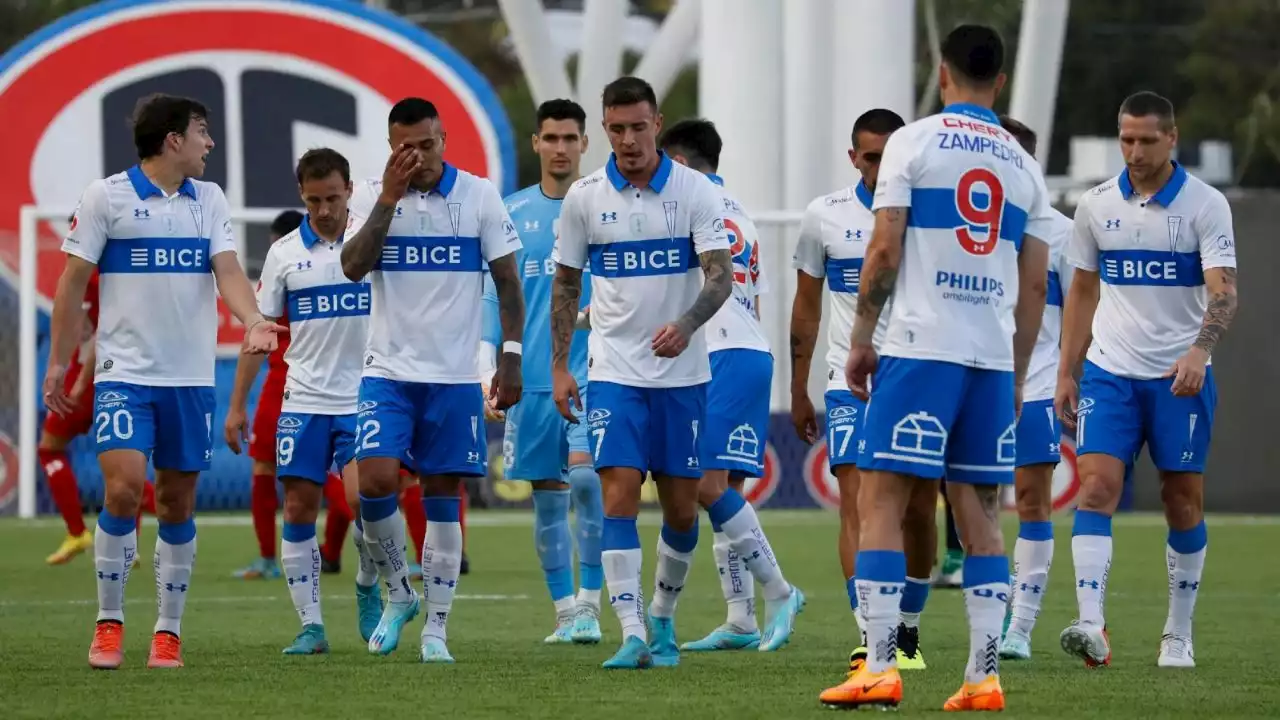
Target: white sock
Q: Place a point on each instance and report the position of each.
(301, 561)
(366, 570)
(564, 606)
(669, 578)
(878, 602)
(749, 542)
(736, 584)
(386, 541)
(1031, 560)
(173, 563)
(861, 618)
(113, 558)
(1092, 557)
(1184, 584)
(622, 576)
(441, 564)
(985, 605)
(589, 597)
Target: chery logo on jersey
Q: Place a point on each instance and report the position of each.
(278, 77)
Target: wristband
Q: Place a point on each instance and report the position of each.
(511, 346)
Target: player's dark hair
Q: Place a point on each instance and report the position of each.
(320, 163)
(561, 109)
(697, 140)
(411, 111)
(877, 121)
(1025, 135)
(628, 90)
(1146, 104)
(975, 53)
(155, 116)
(286, 222)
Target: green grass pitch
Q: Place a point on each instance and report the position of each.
(234, 630)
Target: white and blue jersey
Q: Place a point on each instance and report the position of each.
(833, 242)
(1039, 433)
(328, 326)
(158, 322)
(943, 401)
(420, 389)
(641, 245)
(1151, 255)
(737, 428)
(537, 439)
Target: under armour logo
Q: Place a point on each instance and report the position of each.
(304, 265)
(1192, 586)
(171, 587)
(852, 234)
(442, 582)
(108, 576)
(1113, 224)
(1092, 584)
(608, 217)
(141, 213)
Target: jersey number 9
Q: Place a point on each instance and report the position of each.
(981, 231)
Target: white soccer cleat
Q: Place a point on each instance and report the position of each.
(1087, 641)
(1176, 652)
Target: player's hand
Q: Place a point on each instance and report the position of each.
(670, 340)
(508, 384)
(403, 164)
(83, 382)
(261, 338)
(491, 412)
(1188, 372)
(565, 392)
(55, 394)
(1017, 401)
(862, 363)
(584, 319)
(804, 417)
(1065, 399)
(236, 429)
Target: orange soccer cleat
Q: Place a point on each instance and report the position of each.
(166, 651)
(986, 695)
(105, 653)
(863, 688)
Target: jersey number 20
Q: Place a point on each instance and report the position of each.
(981, 231)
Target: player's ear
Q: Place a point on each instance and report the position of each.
(657, 124)
(853, 156)
(533, 142)
(1001, 79)
(583, 145)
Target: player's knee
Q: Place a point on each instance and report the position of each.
(174, 502)
(1032, 493)
(549, 485)
(301, 501)
(680, 519)
(378, 479)
(711, 487)
(1183, 502)
(263, 468)
(584, 484)
(441, 485)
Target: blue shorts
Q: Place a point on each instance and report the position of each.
(845, 415)
(737, 426)
(438, 427)
(538, 440)
(1117, 415)
(930, 418)
(172, 425)
(649, 429)
(1039, 434)
(307, 445)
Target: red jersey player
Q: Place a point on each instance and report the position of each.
(60, 430)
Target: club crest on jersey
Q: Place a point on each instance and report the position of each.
(669, 208)
(455, 219)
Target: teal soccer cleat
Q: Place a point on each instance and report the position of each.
(434, 651)
(782, 621)
(310, 641)
(586, 626)
(1015, 647)
(368, 609)
(260, 569)
(633, 655)
(563, 634)
(386, 636)
(662, 646)
(725, 637)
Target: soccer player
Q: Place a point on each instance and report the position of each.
(737, 422)
(1038, 438)
(161, 240)
(834, 235)
(639, 222)
(539, 444)
(59, 430)
(960, 210)
(263, 501)
(429, 229)
(1155, 287)
(329, 322)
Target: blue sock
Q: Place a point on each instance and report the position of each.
(553, 541)
(584, 485)
(914, 596)
(851, 587)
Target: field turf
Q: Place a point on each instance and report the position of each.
(234, 630)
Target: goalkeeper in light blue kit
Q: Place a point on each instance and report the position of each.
(539, 445)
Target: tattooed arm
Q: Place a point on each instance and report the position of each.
(879, 271)
(508, 383)
(566, 292)
(360, 254)
(1221, 285)
(717, 284)
(806, 318)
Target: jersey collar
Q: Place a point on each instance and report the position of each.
(715, 179)
(309, 236)
(1166, 195)
(864, 194)
(146, 189)
(448, 178)
(976, 112)
(656, 183)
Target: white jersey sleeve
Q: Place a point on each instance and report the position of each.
(221, 237)
(272, 293)
(91, 224)
(1214, 231)
(706, 219)
(1083, 250)
(897, 173)
(571, 242)
(498, 236)
(810, 256)
(363, 198)
(1041, 220)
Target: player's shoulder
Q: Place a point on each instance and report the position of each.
(1202, 193)
(1103, 192)
(288, 245)
(683, 178)
(732, 205)
(588, 183)
(207, 191)
(522, 198)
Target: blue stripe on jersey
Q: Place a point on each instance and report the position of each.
(155, 255)
(936, 209)
(338, 300)
(403, 253)
(843, 274)
(1151, 267)
(642, 258)
(1055, 290)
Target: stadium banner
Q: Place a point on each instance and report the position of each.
(279, 77)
